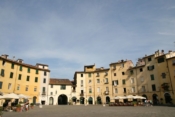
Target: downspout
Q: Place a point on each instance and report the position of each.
(170, 78)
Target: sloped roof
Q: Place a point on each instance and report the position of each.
(54, 81)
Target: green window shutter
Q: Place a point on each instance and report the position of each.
(152, 77)
(36, 79)
(36, 71)
(12, 65)
(28, 78)
(2, 73)
(19, 77)
(1, 83)
(28, 70)
(11, 74)
(123, 81)
(112, 82)
(20, 68)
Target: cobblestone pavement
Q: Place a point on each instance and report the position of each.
(95, 111)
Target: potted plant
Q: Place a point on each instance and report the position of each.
(134, 103)
(18, 107)
(31, 105)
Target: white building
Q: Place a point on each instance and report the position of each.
(44, 82)
(59, 91)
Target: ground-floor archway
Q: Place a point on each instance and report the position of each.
(90, 100)
(143, 100)
(74, 100)
(51, 101)
(34, 99)
(81, 100)
(168, 98)
(99, 100)
(155, 99)
(107, 100)
(62, 100)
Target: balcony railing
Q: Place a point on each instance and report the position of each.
(81, 94)
(106, 92)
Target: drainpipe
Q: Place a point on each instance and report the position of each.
(170, 78)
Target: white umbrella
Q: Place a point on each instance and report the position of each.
(139, 97)
(11, 96)
(23, 96)
(120, 97)
(130, 96)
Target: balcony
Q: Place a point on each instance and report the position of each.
(43, 93)
(106, 82)
(73, 91)
(81, 94)
(106, 92)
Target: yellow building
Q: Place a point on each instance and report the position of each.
(20, 78)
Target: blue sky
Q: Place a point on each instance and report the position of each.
(68, 34)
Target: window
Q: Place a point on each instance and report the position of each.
(89, 74)
(98, 75)
(81, 75)
(36, 79)
(28, 70)
(18, 87)
(98, 80)
(114, 67)
(81, 82)
(26, 88)
(45, 73)
(82, 92)
(44, 80)
(11, 74)
(63, 87)
(36, 71)
(90, 90)
(123, 73)
(163, 75)
(149, 59)
(98, 89)
(150, 67)
(114, 74)
(3, 62)
(51, 86)
(19, 77)
(143, 89)
(12, 65)
(106, 80)
(90, 81)
(2, 73)
(131, 72)
(141, 69)
(44, 90)
(1, 83)
(160, 60)
(51, 93)
(116, 90)
(133, 89)
(153, 87)
(115, 82)
(107, 88)
(9, 86)
(132, 80)
(106, 73)
(55, 92)
(152, 77)
(28, 78)
(173, 62)
(124, 90)
(142, 79)
(35, 89)
(122, 65)
(20, 68)
(123, 81)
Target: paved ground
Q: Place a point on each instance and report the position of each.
(95, 111)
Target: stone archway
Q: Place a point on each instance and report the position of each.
(62, 99)
(34, 99)
(90, 100)
(99, 100)
(168, 98)
(155, 97)
(107, 100)
(51, 101)
(74, 99)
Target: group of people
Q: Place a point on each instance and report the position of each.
(25, 107)
(148, 103)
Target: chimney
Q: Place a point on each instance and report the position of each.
(4, 56)
(170, 51)
(20, 60)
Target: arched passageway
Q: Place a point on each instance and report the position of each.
(90, 100)
(99, 100)
(107, 100)
(81, 100)
(62, 100)
(168, 98)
